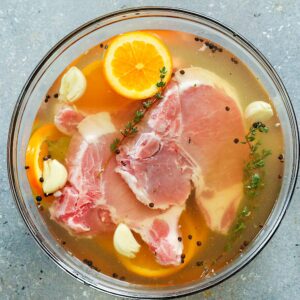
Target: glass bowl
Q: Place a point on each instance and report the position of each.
(89, 35)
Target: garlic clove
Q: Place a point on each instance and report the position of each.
(124, 241)
(259, 111)
(55, 176)
(73, 85)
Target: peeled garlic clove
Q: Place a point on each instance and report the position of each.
(72, 86)
(55, 176)
(124, 241)
(258, 111)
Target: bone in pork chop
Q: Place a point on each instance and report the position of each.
(153, 164)
(96, 197)
(192, 119)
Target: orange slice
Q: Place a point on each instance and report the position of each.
(132, 64)
(144, 263)
(37, 149)
(99, 95)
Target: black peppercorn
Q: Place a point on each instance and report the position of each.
(38, 198)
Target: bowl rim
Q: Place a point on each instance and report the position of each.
(61, 42)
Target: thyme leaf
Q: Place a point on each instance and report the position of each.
(115, 144)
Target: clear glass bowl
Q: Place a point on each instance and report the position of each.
(89, 35)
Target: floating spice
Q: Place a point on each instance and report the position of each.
(213, 47)
(234, 60)
(199, 263)
(90, 264)
(47, 98)
(197, 39)
(38, 198)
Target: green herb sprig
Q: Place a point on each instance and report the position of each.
(131, 126)
(254, 168)
(254, 174)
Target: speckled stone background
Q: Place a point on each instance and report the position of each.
(28, 29)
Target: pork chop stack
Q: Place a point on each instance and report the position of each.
(186, 143)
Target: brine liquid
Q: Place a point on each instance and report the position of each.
(206, 251)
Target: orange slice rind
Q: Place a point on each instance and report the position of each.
(36, 150)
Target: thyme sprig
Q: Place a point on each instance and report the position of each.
(254, 169)
(131, 128)
(254, 174)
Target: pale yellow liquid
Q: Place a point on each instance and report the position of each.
(186, 52)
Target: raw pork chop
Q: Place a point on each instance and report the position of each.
(96, 196)
(153, 163)
(78, 207)
(192, 125)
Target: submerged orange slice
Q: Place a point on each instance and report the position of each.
(144, 263)
(36, 150)
(132, 64)
(98, 96)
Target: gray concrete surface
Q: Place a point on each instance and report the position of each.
(29, 28)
